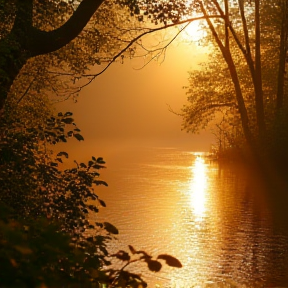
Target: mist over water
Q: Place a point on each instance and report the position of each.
(214, 218)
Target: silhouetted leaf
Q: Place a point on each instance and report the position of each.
(99, 224)
(68, 114)
(97, 166)
(133, 251)
(170, 260)
(90, 239)
(154, 265)
(70, 133)
(110, 228)
(63, 154)
(100, 182)
(122, 255)
(102, 203)
(100, 160)
(63, 138)
(79, 137)
(67, 120)
(145, 254)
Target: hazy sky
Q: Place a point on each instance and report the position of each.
(125, 106)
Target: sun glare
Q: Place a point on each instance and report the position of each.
(198, 188)
(192, 32)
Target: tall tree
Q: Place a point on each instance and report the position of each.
(74, 33)
(25, 39)
(250, 32)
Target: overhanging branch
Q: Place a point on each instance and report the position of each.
(42, 42)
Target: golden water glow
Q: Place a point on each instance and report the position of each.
(198, 187)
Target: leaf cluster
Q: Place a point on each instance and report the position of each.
(210, 92)
(33, 187)
(124, 278)
(47, 237)
(165, 12)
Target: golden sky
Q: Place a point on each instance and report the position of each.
(128, 107)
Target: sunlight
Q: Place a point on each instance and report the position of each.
(198, 188)
(192, 32)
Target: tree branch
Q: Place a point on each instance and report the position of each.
(245, 29)
(227, 21)
(42, 42)
(148, 31)
(241, 47)
(24, 15)
(26, 91)
(204, 108)
(213, 30)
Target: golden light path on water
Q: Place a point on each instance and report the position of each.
(198, 187)
(164, 200)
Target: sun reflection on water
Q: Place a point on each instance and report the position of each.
(198, 187)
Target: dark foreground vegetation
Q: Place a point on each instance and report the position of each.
(46, 238)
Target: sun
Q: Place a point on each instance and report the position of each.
(192, 31)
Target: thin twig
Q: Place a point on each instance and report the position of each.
(26, 91)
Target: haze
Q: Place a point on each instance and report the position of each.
(125, 107)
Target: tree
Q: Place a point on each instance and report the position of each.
(258, 92)
(25, 41)
(53, 201)
(46, 236)
(48, 39)
(47, 202)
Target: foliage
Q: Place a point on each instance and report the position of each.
(46, 236)
(209, 94)
(51, 203)
(59, 73)
(123, 278)
(31, 250)
(246, 89)
(114, 31)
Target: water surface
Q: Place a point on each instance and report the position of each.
(213, 218)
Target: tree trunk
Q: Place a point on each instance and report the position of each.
(225, 50)
(258, 76)
(282, 57)
(240, 100)
(12, 59)
(25, 41)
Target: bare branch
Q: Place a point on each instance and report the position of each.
(216, 3)
(173, 111)
(26, 91)
(147, 32)
(203, 108)
(237, 40)
(163, 49)
(245, 28)
(213, 30)
(227, 24)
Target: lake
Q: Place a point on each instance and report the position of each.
(213, 217)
